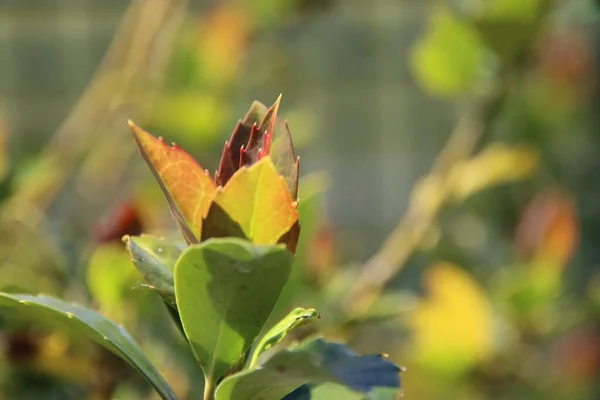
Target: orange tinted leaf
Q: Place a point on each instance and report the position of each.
(453, 326)
(549, 228)
(222, 41)
(257, 199)
(575, 357)
(188, 188)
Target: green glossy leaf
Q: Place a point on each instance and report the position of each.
(155, 257)
(275, 335)
(84, 321)
(316, 361)
(226, 289)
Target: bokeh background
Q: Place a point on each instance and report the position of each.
(449, 150)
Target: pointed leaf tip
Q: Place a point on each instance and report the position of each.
(271, 116)
(261, 133)
(188, 188)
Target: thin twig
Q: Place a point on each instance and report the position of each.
(413, 228)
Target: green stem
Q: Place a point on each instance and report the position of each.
(209, 388)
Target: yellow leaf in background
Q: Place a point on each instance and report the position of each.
(495, 165)
(447, 59)
(452, 327)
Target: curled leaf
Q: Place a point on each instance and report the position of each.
(297, 317)
(155, 257)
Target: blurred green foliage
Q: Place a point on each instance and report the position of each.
(497, 295)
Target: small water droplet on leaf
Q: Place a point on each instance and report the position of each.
(242, 268)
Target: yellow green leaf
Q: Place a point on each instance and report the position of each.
(507, 26)
(196, 117)
(189, 189)
(110, 279)
(257, 198)
(495, 165)
(446, 60)
(526, 11)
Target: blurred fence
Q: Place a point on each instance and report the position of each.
(376, 131)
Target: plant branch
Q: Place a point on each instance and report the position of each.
(209, 388)
(428, 198)
(434, 189)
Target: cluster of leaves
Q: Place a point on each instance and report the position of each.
(221, 285)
